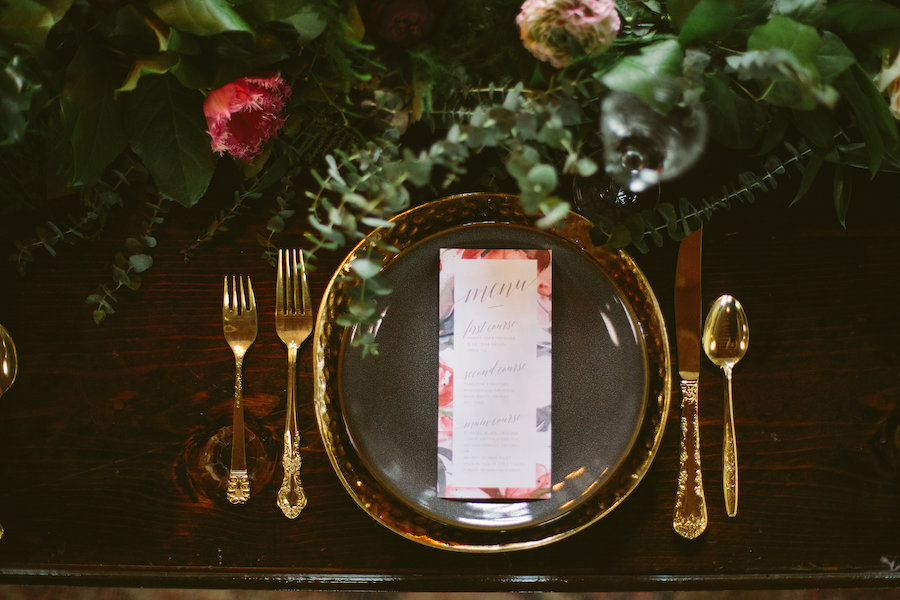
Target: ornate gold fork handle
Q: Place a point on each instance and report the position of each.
(690, 517)
(238, 480)
(291, 497)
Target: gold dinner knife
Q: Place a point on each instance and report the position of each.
(689, 519)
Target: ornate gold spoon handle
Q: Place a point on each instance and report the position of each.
(291, 497)
(690, 518)
(729, 453)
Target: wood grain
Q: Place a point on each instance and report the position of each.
(101, 436)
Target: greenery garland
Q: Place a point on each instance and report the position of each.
(392, 95)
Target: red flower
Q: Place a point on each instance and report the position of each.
(244, 114)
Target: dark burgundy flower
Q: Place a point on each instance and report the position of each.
(399, 22)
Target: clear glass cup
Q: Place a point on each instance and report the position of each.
(643, 147)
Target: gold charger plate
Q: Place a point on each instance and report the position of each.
(611, 381)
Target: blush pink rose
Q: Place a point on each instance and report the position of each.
(242, 115)
(547, 27)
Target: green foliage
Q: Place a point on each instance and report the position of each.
(95, 93)
(171, 139)
(129, 263)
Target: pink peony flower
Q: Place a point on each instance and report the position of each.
(547, 26)
(242, 115)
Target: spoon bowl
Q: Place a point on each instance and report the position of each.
(9, 363)
(726, 336)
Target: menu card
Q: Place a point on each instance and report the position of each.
(494, 380)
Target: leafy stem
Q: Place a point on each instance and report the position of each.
(128, 265)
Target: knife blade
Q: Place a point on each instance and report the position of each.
(690, 516)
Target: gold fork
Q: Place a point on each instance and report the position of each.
(239, 324)
(294, 323)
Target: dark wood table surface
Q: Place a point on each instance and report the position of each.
(101, 438)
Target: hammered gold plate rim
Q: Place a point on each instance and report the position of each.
(366, 488)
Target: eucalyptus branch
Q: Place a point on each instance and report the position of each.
(688, 216)
(126, 268)
(96, 202)
(217, 225)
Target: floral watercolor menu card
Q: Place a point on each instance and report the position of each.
(494, 388)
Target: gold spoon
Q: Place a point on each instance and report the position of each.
(8, 361)
(9, 366)
(726, 335)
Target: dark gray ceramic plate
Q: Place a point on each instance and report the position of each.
(378, 415)
(599, 381)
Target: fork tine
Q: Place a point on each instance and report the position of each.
(251, 299)
(226, 300)
(242, 299)
(295, 284)
(307, 301)
(279, 284)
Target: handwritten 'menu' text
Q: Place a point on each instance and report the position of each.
(497, 290)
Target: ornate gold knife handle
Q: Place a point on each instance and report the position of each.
(690, 518)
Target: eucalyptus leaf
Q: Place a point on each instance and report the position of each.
(542, 177)
(379, 285)
(362, 309)
(418, 168)
(140, 262)
(120, 275)
(275, 224)
(134, 245)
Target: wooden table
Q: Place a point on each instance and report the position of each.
(98, 435)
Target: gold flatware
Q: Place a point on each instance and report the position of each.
(9, 366)
(689, 518)
(239, 324)
(726, 336)
(294, 323)
(9, 363)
